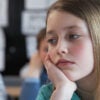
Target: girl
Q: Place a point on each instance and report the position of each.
(73, 60)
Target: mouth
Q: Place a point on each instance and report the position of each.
(63, 62)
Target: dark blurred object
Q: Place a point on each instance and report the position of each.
(15, 41)
(9, 97)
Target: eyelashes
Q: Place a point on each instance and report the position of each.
(70, 37)
(52, 41)
(73, 36)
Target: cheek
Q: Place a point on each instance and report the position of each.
(78, 50)
(50, 50)
(83, 53)
(52, 54)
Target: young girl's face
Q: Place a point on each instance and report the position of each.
(70, 46)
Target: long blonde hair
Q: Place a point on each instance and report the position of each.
(89, 11)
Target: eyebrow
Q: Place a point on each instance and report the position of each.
(50, 32)
(69, 28)
(72, 27)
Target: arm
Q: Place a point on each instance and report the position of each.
(35, 66)
(30, 89)
(31, 84)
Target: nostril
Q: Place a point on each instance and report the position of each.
(63, 52)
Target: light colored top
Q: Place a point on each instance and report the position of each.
(2, 89)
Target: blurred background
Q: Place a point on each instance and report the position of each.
(20, 21)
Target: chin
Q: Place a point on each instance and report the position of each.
(78, 79)
(73, 77)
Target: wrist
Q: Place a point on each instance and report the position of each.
(68, 86)
(66, 90)
(63, 93)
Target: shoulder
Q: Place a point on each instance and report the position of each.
(48, 87)
(75, 97)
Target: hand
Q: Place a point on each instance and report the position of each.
(35, 66)
(64, 88)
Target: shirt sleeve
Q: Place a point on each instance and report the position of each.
(30, 89)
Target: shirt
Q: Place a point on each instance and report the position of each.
(47, 90)
(2, 89)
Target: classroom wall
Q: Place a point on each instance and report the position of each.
(25, 19)
(15, 52)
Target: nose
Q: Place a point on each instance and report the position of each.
(62, 48)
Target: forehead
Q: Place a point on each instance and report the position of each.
(58, 20)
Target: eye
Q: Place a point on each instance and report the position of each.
(52, 41)
(73, 36)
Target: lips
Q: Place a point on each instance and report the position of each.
(63, 62)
